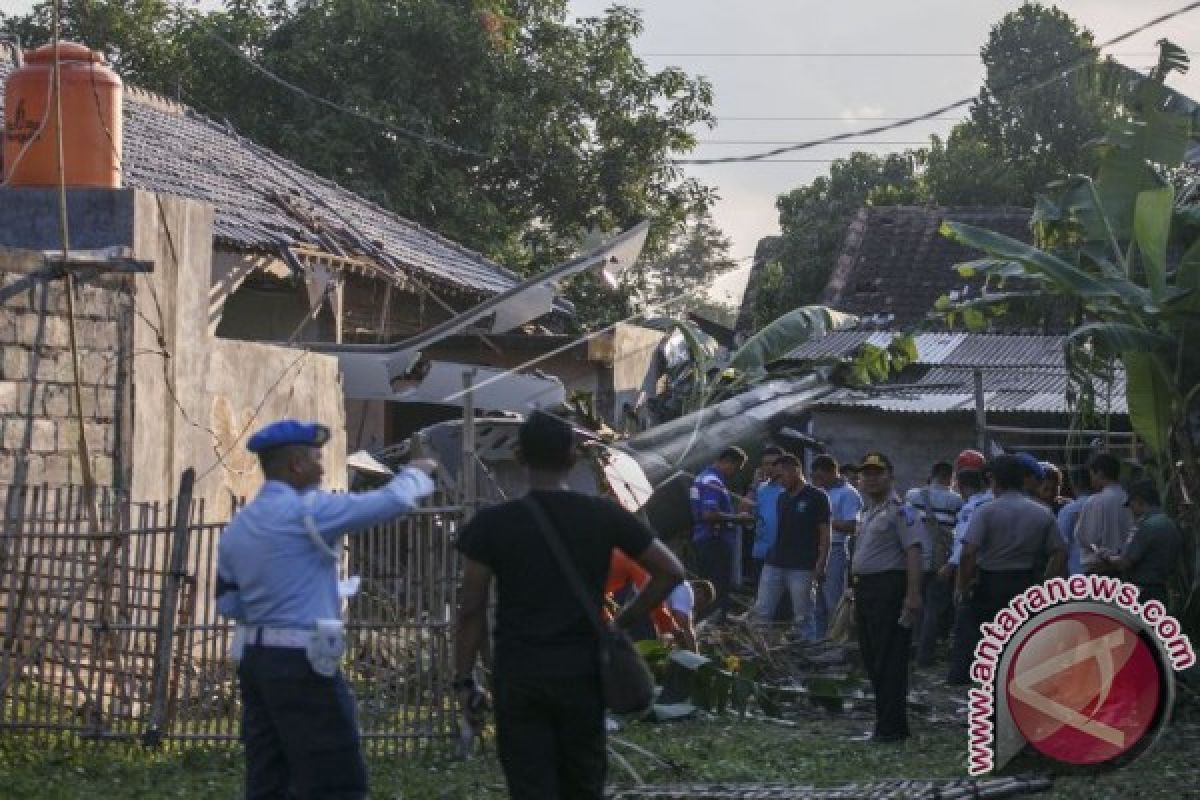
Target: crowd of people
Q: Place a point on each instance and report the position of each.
(916, 569)
(923, 570)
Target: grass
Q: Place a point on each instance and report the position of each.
(725, 749)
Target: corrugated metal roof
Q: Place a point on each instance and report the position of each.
(940, 390)
(263, 202)
(949, 349)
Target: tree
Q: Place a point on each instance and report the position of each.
(696, 255)
(1039, 130)
(510, 129)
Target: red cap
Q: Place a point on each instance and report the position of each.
(969, 459)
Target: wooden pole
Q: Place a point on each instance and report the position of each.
(467, 477)
(981, 431)
(165, 637)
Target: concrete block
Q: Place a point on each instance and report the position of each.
(98, 368)
(100, 333)
(55, 400)
(99, 437)
(58, 471)
(34, 469)
(45, 436)
(105, 403)
(8, 467)
(10, 397)
(10, 324)
(47, 331)
(14, 433)
(15, 364)
(99, 218)
(19, 301)
(102, 470)
(96, 302)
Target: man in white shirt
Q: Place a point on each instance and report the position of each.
(1105, 521)
(684, 602)
(939, 506)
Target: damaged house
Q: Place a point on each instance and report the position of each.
(261, 280)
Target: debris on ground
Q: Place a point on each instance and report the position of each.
(953, 789)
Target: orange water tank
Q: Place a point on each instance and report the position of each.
(91, 110)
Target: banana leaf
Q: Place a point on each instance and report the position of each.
(1148, 394)
(1035, 260)
(1152, 229)
(1063, 274)
(786, 334)
(1119, 337)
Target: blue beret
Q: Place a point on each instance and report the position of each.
(1032, 464)
(286, 432)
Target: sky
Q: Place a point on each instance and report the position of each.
(851, 89)
(848, 89)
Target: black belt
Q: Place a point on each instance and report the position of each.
(887, 573)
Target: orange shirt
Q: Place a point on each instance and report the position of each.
(622, 571)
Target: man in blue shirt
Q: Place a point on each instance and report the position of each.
(1068, 517)
(277, 575)
(714, 523)
(845, 504)
(766, 508)
(974, 489)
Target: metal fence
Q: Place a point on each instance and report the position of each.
(113, 634)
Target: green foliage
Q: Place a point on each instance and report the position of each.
(1036, 132)
(872, 364)
(576, 132)
(696, 255)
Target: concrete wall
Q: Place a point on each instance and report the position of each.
(162, 388)
(39, 431)
(634, 369)
(912, 441)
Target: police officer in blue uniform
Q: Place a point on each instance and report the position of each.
(278, 578)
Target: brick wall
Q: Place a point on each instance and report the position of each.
(38, 428)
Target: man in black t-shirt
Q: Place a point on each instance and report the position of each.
(801, 549)
(549, 708)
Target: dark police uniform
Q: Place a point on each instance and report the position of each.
(1152, 553)
(885, 533)
(1014, 534)
(277, 576)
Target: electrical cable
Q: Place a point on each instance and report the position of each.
(818, 54)
(1054, 74)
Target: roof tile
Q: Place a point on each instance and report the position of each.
(264, 202)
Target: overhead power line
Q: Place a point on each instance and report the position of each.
(723, 118)
(937, 113)
(1053, 75)
(854, 55)
(854, 142)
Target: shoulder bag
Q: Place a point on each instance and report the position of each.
(941, 541)
(625, 679)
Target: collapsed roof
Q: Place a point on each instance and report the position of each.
(265, 203)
